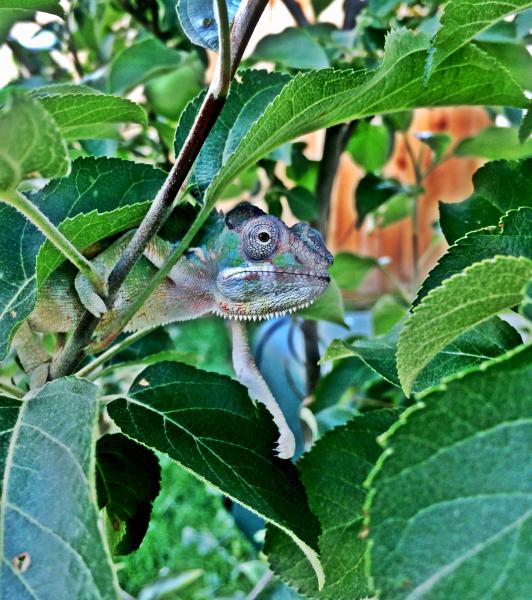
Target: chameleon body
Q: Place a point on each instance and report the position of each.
(248, 265)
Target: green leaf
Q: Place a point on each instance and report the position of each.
(495, 143)
(479, 292)
(461, 22)
(102, 184)
(370, 146)
(514, 57)
(145, 59)
(245, 102)
(47, 474)
(399, 206)
(199, 23)
(302, 203)
(525, 129)
(31, 143)
(333, 473)
(437, 142)
(127, 482)
(372, 192)
(486, 340)
(328, 307)
(294, 47)
(350, 270)
(449, 500)
(326, 97)
(320, 5)
(48, 6)
(88, 116)
(207, 423)
(512, 237)
(386, 313)
(499, 187)
(84, 230)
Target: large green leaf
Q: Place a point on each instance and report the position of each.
(87, 116)
(333, 473)
(127, 482)
(450, 504)
(294, 47)
(246, 100)
(325, 97)
(462, 21)
(49, 6)
(50, 542)
(486, 340)
(31, 143)
(495, 143)
(499, 187)
(511, 237)
(462, 301)
(208, 424)
(140, 62)
(101, 184)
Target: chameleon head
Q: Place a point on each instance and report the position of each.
(266, 268)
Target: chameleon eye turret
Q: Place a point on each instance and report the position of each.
(266, 268)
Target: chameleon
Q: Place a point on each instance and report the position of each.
(248, 266)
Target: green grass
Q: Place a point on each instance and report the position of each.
(190, 529)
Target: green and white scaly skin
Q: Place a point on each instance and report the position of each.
(249, 265)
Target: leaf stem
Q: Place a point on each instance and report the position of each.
(296, 11)
(243, 26)
(52, 233)
(415, 225)
(11, 390)
(110, 352)
(222, 78)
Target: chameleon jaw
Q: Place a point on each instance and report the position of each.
(262, 317)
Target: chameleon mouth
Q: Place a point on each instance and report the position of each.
(264, 316)
(272, 270)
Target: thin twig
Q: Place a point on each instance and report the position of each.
(111, 352)
(245, 21)
(351, 10)
(11, 390)
(415, 233)
(296, 11)
(52, 233)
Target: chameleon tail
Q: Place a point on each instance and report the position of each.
(248, 374)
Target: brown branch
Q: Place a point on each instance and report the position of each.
(296, 11)
(245, 21)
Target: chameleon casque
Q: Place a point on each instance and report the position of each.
(248, 265)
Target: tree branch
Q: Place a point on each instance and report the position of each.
(245, 21)
(351, 10)
(52, 233)
(295, 10)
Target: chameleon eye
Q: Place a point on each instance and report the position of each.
(261, 238)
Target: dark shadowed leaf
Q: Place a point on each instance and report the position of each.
(127, 482)
(452, 476)
(372, 192)
(48, 516)
(499, 187)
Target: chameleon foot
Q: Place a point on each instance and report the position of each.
(88, 296)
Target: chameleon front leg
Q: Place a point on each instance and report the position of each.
(249, 375)
(34, 359)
